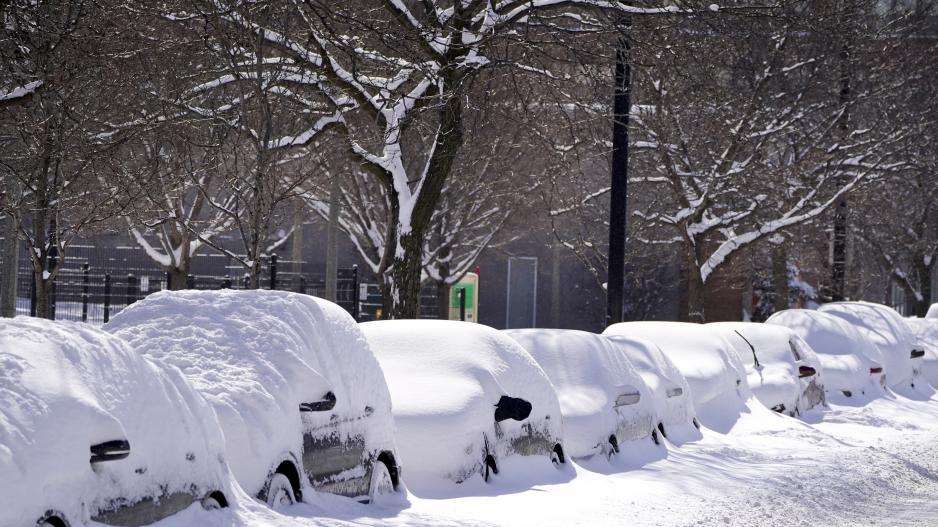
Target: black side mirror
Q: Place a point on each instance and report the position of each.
(110, 450)
(806, 371)
(512, 408)
(324, 405)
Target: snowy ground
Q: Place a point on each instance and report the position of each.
(870, 464)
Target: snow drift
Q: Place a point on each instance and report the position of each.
(716, 376)
(603, 399)
(65, 387)
(448, 381)
(257, 356)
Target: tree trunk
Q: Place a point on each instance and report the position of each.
(9, 268)
(178, 278)
(618, 197)
(405, 276)
(780, 276)
(695, 291)
(43, 290)
(923, 274)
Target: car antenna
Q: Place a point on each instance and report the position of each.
(750, 347)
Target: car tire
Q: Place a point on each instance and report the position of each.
(557, 456)
(214, 501)
(655, 437)
(280, 493)
(489, 467)
(382, 484)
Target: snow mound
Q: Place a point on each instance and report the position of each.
(597, 388)
(715, 375)
(932, 312)
(65, 387)
(846, 355)
(446, 379)
(256, 355)
(886, 329)
(670, 393)
(772, 365)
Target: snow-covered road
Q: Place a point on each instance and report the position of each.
(873, 464)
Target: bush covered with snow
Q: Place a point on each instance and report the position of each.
(716, 376)
(455, 388)
(603, 399)
(774, 365)
(887, 330)
(846, 355)
(65, 387)
(257, 356)
(670, 393)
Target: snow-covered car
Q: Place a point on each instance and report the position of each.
(926, 334)
(782, 370)
(932, 312)
(887, 330)
(605, 403)
(301, 399)
(466, 398)
(91, 431)
(714, 373)
(850, 363)
(669, 391)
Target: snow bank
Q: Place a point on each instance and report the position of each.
(716, 376)
(596, 386)
(256, 355)
(445, 379)
(774, 379)
(846, 355)
(932, 312)
(885, 328)
(65, 387)
(670, 393)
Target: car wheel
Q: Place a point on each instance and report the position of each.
(280, 492)
(613, 446)
(655, 437)
(382, 485)
(556, 456)
(214, 501)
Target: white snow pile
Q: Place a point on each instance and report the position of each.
(926, 331)
(932, 312)
(65, 387)
(886, 329)
(445, 379)
(771, 364)
(846, 355)
(670, 393)
(256, 355)
(601, 395)
(716, 376)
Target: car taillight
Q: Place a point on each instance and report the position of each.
(806, 371)
(876, 369)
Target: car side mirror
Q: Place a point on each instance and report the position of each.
(806, 371)
(512, 408)
(110, 451)
(324, 405)
(918, 353)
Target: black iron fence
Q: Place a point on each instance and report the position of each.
(91, 287)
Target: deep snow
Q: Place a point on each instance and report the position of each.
(874, 462)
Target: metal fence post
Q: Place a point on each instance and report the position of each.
(84, 292)
(53, 262)
(190, 282)
(131, 294)
(32, 293)
(107, 297)
(462, 304)
(226, 282)
(273, 271)
(356, 308)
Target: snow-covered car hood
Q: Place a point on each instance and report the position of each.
(445, 379)
(886, 329)
(590, 374)
(845, 354)
(661, 376)
(716, 376)
(256, 356)
(65, 387)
